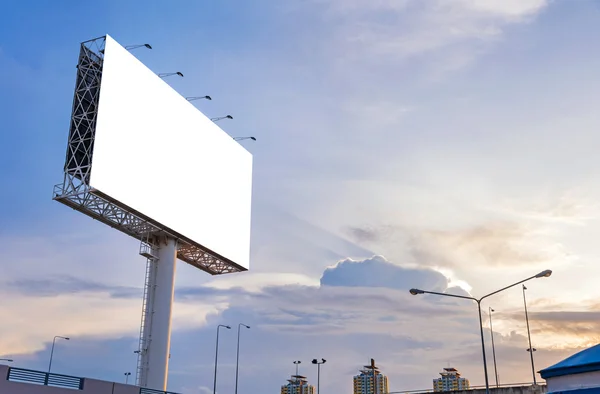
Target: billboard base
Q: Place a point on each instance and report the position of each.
(155, 332)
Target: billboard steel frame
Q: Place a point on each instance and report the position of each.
(75, 191)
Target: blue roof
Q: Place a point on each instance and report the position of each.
(589, 390)
(587, 360)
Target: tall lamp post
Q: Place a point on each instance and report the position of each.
(237, 361)
(52, 351)
(127, 375)
(530, 349)
(318, 363)
(217, 355)
(493, 347)
(542, 274)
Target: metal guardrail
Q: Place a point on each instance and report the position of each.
(144, 390)
(43, 378)
(492, 386)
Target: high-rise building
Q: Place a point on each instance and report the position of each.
(370, 381)
(297, 385)
(450, 381)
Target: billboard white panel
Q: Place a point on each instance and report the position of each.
(159, 155)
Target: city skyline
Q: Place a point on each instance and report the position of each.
(445, 145)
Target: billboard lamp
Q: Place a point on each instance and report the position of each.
(130, 47)
(198, 98)
(221, 117)
(163, 75)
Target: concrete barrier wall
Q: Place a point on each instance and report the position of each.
(508, 390)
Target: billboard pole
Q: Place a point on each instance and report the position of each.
(156, 327)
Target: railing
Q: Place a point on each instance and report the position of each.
(492, 386)
(44, 378)
(144, 390)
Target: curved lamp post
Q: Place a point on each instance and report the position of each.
(237, 361)
(543, 274)
(244, 138)
(217, 356)
(52, 351)
(8, 360)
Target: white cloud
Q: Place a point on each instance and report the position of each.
(506, 8)
(452, 32)
(83, 315)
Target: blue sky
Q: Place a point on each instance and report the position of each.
(454, 140)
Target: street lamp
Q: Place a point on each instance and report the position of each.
(221, 117)
(530, 349)
(315, 361)
(198, 98)
(163, 75)
(127, 375)
(130, 47)
(493, 347)
(217, 356)
(52, 351)
(8, 360)
(543, 274)
(244, 138)
(237, 361)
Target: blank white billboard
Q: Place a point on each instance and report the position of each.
(159, 155)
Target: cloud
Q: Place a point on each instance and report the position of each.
(348, 297)
(93, 313)
(452, 32)
(558, 325)
(495, 244)
(378, 272)
(59, 285)
(360, 309)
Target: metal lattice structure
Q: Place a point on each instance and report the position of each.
(76, 192)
